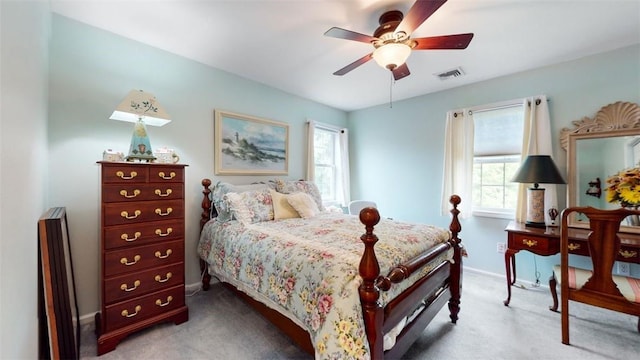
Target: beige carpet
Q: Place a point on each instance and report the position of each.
(221, 326)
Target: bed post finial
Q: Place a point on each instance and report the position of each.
(455, 226)
(369, 269)
(204, 217)
(206, 203)
(456, 267)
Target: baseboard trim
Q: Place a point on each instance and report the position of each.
(522, 284)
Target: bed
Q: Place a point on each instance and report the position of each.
(305, 270)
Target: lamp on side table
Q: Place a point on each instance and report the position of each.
(537, 169)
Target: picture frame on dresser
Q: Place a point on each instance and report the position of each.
(249, 145)
(58, 315)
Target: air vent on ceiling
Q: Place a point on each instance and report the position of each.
(457, 72)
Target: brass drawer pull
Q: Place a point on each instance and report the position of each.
(160, 303)
(573, 246)
(121, 175)
(125, 193)
(163, 176)
(125, 313)
(165, 194)
(125, 214)
(530, 243)
(628, 254)
(124, 287)
(159, 279)
(160, 233)
(125, 237)
(126, 262)
(159, 212)
(160, 256)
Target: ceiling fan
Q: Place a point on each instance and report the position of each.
(392, 41)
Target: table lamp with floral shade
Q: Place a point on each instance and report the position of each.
(624, 188)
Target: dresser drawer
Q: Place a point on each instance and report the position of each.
(132, 311)
(143, 282)
(132, 213)
(118, 262)
(626, 253)
(165, 174)
(141, 192)
(124, 173)
(629, 254)
(143, 233)
(537, 244)
(577, 247)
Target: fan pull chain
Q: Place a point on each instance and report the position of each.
(390, 90)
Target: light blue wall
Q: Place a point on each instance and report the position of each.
(397, 153)
(91, 72)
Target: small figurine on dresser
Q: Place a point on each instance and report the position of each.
(553, 215)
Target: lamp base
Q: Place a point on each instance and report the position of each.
(140, 148)
(535, 224)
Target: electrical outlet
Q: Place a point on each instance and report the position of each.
(623, 268)
(501, 247)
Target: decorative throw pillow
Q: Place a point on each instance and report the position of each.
(304, 204)
(221, 189)
(281, 207)
(251, 206)
(309, 187)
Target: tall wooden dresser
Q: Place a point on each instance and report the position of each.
(142, 246)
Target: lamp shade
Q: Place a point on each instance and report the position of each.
(392, 55)
(140, 105)
(538, 169)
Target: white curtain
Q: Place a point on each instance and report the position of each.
(311, 167)
(343, 192)
(536, 141)
(458, 161)
(344, 167)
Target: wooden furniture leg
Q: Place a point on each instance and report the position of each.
(553, 283)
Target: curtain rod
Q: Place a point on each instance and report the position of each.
(498, 106)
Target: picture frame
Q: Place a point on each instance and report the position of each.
(58, 315)
(249, 145)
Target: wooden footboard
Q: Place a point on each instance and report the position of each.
(438, 287)
(444, 279)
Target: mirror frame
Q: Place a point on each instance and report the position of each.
(616, 119)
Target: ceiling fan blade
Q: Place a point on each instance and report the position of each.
(453, 42)
(401, 72)
(340, 33)
(419, 12)
(354, 65)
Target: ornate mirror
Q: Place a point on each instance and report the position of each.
(599, 148)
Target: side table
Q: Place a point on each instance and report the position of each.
(546, 241)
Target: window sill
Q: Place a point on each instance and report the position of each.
(494, 214)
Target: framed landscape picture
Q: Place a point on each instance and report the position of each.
(248, 145)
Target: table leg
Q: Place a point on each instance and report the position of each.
(510, 265)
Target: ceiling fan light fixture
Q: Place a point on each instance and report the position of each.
(390, 56)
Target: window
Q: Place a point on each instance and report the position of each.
(331, 164)
(497, 150)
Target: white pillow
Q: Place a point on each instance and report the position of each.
(304, 204)
(281, 207)
(251, 206)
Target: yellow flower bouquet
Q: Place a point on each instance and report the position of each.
(624, 187)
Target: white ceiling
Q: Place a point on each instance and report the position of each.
(281, 43)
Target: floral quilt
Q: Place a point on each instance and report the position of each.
(308, 269)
